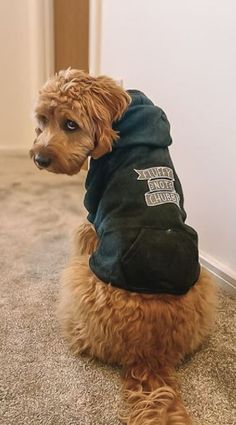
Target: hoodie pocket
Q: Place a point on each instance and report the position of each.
(113, 245)
(134, 247)
(164, 261)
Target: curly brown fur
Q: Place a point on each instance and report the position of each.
(93, 103)
(147, 334)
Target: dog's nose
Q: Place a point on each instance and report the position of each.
(42, 161)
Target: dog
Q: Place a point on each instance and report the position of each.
(133, 293)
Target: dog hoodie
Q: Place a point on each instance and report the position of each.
(135, 202)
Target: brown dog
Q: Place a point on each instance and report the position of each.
(147, 333)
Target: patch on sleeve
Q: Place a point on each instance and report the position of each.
(160, 182)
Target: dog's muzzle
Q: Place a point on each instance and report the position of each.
(42, 161)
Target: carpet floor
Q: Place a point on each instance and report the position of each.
(41, 382)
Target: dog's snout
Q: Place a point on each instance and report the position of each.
(42, 160)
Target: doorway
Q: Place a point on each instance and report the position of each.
(71, 34)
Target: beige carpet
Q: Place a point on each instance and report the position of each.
(41, 382)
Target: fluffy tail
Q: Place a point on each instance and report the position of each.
(152, 398)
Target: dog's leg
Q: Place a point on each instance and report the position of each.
(152, 398)
(85, 240)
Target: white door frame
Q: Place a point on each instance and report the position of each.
(95, 34)
(41, 42)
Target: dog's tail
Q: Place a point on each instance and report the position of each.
(152, 398)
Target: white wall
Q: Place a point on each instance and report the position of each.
(24, 65)
(183, 55)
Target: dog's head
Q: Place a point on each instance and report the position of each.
(74, 114)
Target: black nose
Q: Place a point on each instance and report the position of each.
(42, 161)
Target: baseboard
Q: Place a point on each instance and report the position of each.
(225, 280)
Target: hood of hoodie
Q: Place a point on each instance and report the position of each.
(143, 123)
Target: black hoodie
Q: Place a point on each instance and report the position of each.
(135, 201)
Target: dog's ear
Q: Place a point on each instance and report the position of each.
(107, 103)
(103, 102)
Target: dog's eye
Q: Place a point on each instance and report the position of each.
(70, 125)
